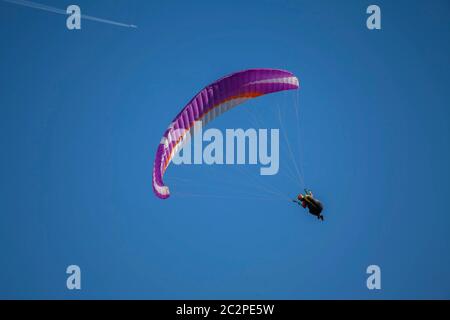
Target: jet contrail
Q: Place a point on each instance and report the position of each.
(43, 7)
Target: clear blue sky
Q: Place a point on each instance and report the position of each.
(82, 114)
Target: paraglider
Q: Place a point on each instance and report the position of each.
(315, 207)
(215, 99)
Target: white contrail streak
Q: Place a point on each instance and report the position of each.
(43, 7)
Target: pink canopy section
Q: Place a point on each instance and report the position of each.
(209, 103)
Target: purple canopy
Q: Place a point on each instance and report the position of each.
(211, 102)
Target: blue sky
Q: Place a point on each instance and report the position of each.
(83, 112)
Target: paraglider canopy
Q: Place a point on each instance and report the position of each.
(212, 101)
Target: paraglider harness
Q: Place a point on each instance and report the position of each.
(315, 207)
